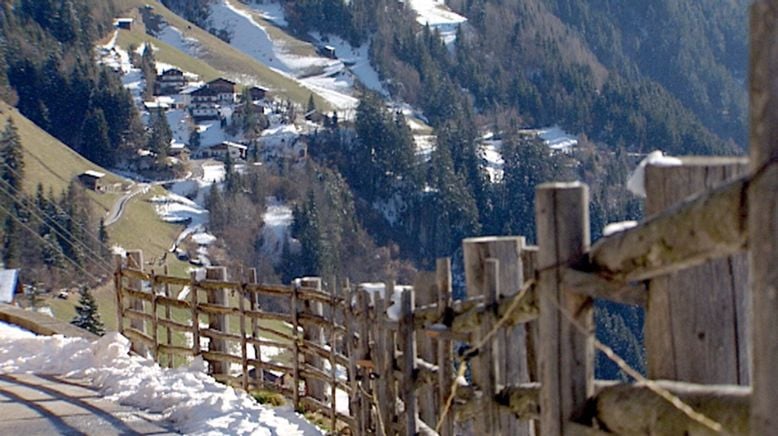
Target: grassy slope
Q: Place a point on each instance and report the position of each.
(222, 56)
(54, 165)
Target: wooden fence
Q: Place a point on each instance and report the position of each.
(516, 356)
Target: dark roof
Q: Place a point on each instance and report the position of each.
(172, 72)
(220, 81)
(205, 92)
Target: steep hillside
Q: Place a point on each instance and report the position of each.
(209, 49)
(54, 165)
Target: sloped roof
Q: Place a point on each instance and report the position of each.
(9, 279)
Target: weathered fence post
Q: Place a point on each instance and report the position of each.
(486, 366)
(701, 311)
(293, 307)
(363, 354)
(217, 322)
(259, 379)
(313, 333)
(445, 353)
(511, 345)
(195, 313)
(763, 215)
(118, 286)
(566, 354)
(154, 318)
(382, 369)
(135, 261)
(408, 344)
(353, 350)
(168, 332)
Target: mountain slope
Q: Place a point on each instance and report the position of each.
(214, 52)
(53, 164)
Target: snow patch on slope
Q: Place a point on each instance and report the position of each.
(438, 16)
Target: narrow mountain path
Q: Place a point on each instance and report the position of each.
(37, 404)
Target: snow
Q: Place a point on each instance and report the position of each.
(270, 11)
(491, 151)
(172, 36)
(326, 77)
(186, 396)
(438, 16)
(636, 181)
(379, 289)
(277, 218)
(14, 332)
(613, 228)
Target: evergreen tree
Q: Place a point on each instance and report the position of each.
(161, 135)
(11, 245)
(311, 104)
(95, 143)
(12, 156)
(87, 316)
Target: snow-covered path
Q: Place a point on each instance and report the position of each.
(186, 397)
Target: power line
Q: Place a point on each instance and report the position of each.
(53, 204)
(31, 230)
(105, 265)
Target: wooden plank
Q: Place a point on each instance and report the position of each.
(118, 289)
(175, 350)
(216, 297)
(195, 314)
(254, 307)
(566, 355)
(648, 413)
(762, 219)
(425, 295)
(510, 348)
(312, 333)
(445, 351)
(154, 324)
(135, 261)
(168, 332)
(699, 311)
(294, 309)
(353, 374)
(363, 354)
(705, 227)
(170, 324)
(485, 367)
(408, 367)
(169, 302)
(384, 376)
(243, 344)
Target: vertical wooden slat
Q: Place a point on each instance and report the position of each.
(154, 318)
(566, 355)
(700, 311)
(293, 307)
(445, 354)
(168, 332)
(118, 282)
(405, 332)
(333, 341)
(313, 333)
(243, 344)
(254, 304)
(217, 322)
(762, 211)
(351, 349)
(510, 348)
(135, 261)
(487, 374)
(363, 305)
(195, 314)
(385, 375)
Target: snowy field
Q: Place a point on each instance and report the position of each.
(187, 397)
(438, 16)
